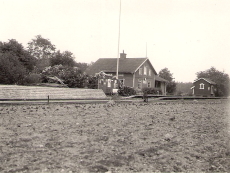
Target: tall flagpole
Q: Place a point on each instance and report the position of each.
(118, 42)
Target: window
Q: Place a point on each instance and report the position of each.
(109, 82)
(115, 84)
(149, 84)
(140, 71)
(145, 70)
(139, 85)
(150, 72)
(201, 86)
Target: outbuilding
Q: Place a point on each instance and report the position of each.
(204, 87)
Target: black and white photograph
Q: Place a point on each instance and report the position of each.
(114, 86)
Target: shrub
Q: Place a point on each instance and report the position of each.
(126, 91)
(152, 90)
(92, 82)
(33, 78)
(11, 69)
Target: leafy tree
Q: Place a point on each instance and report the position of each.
(83, 66)
(15, 62)
(74, 79)
(66, 59)
(16, 49)
(12, 71)
(220, 78)
(41, 47)
(166, 74)
(70, 75)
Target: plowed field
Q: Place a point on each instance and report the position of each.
(132, 137)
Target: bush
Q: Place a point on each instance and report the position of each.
(152, 90)
(11, 69)
(92, 82)
(126, 91)
(33, 78)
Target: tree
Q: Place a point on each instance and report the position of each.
(82, 66)
(66, 59)
(15, 62)
(70, 75)
(12, 71)
(17, 50)
(220, 78)
(166, 74)
(41, 47)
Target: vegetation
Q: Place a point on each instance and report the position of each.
(38, 62)
(23, 66)
(166, 74)
(66, 59)
(41, 48)
(126, 91)
(15, 62)
(184, 88)
(221, 79)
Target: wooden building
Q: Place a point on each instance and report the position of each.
(137, 73)
(203, 87)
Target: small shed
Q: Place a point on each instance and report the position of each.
(204, 87)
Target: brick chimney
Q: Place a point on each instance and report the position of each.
(123, 55)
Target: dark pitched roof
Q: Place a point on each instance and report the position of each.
(157, 78)
(206, 79)
(109, 65)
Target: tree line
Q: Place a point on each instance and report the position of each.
(38, 61)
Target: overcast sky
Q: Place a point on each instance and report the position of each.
(186, 36)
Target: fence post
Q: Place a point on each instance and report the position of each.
(48, 99)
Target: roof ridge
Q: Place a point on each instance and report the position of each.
(206, 79)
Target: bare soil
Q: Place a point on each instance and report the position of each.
(179, 136)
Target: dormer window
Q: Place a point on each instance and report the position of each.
(201, 86)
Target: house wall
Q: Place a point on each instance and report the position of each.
(141, 77)
(202, 92)
(127, 77)
(132, 81)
